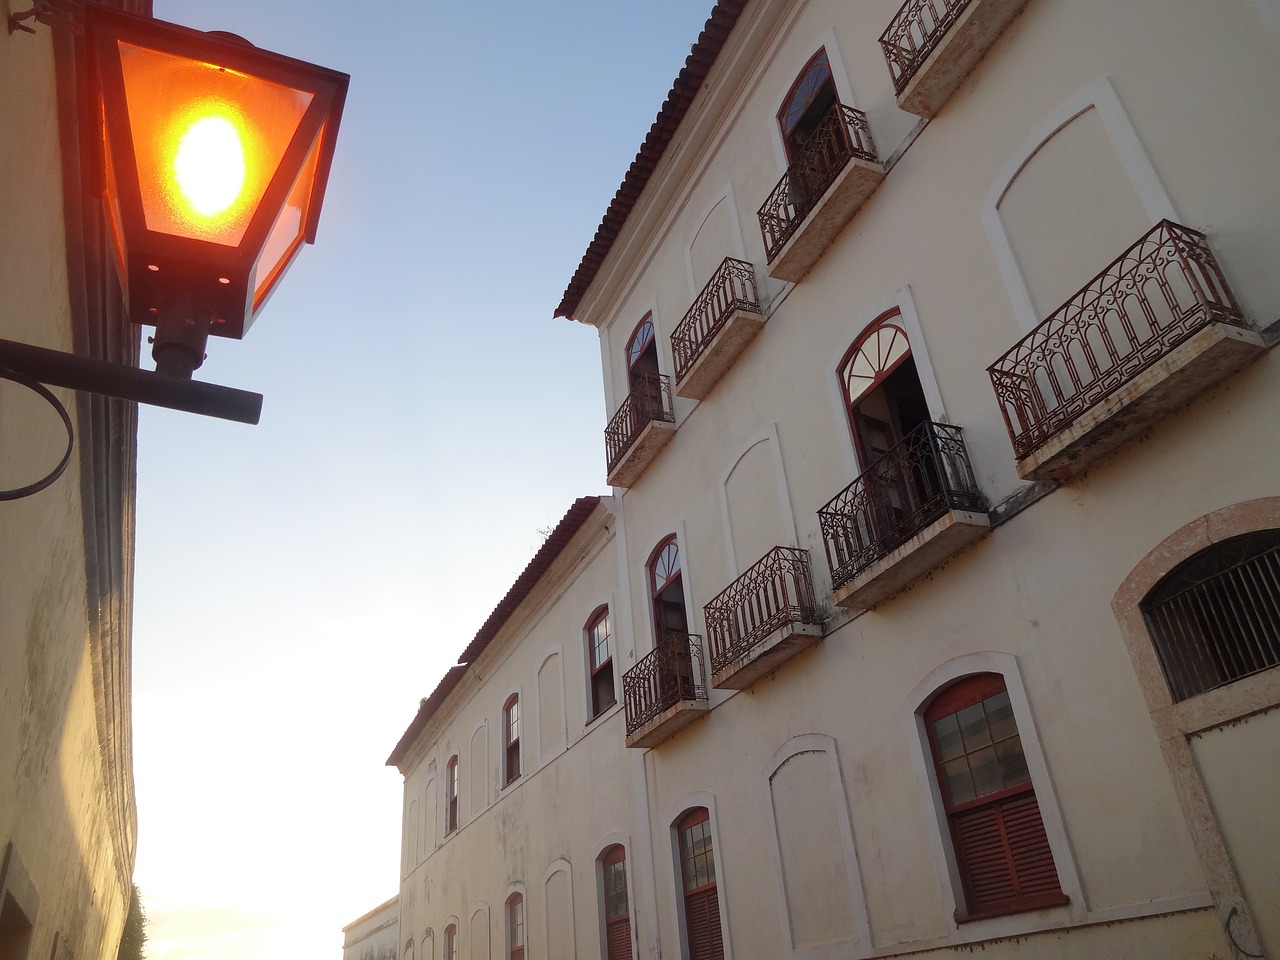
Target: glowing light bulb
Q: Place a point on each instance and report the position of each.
(209, 165)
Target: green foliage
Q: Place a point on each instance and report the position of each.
(134, 936)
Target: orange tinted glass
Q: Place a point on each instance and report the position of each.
(207, 141)
(287, 232)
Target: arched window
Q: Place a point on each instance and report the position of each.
(698, 882)
(666, 590)
(807, 103)
(997, 833)
(408, 949)
(451, 795)
(642, 351)
(511, 739)
(451, 942)
(882, 392)
(515, 927)
(617, 911)
(1215, 617)
(599, 637)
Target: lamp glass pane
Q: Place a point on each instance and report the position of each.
(207, 141)
(112, 196)
(287, 232)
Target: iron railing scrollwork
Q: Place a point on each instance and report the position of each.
(649, 400)
(732, 287)
(774, 591)
(839, 137)
(1156, 295)
(670, 674)
(914, 33)
(914, 483)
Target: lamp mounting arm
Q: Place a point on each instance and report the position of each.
(49, 12)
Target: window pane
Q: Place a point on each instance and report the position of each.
(1000, 716)
(1013, 764)
(946, 732)
(973, 727)
(985, 771)
(959, 784)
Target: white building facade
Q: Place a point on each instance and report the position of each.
(937, 603)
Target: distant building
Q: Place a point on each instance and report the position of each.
(937, 604)
(67, 814)
(375, 936)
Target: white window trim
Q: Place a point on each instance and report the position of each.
(950, 887)
(738, 241)
(557, 866)
(699, 798)
(555, 650)
(902, 301)
(514, 887)
(862, 946)
(481, 907)
(839, 76)
(457, 935)
(1099, 96)
(768, 434)
(609, 840)
(475, 808)
(607, 603)
(523, 720)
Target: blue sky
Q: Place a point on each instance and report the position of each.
(301, 584)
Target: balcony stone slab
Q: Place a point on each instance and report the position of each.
(954, 58)
(851, 189)
(642, 452)
(925, 551)
(766, 656)
(668, 723)
(730, 340)
(1207, 358)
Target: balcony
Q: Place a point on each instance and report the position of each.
(1148, 333)
(724, 318)
(666, 691)
(932, 45)
(913, 508)
(643, 425)
(831, 177)
(762, 619)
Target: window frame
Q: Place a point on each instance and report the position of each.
(452, 776)
(956, 697)
(692, 816)
(610, 856)
(511, 754)
(939, 838)
(595, 671)
(449, 942)
(516, 924)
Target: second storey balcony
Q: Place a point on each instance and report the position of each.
(643, 425)
(913, 508)
(1144, 336)
(830, 177)
(762, 619)
(665, 691)
(724, 318)
(932, 45)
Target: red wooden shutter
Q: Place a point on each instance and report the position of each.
(618, 938)
(702, 914)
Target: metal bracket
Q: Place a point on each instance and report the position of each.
(49, 12)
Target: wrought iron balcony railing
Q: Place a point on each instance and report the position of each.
(774, 591)
(649, 400)
(914, 33)
(732, 287)
(672, 673)
(1156, 295)
(913, 484)
(841, 135)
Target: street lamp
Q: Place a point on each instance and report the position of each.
(215, 156)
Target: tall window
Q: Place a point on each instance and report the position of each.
(451, 942)
(600, 661)
(511, 738)
(617, 913)
(698, 876)
(666, 587)
(642, 352)
(882, 391)
(515, 927)
(451, 795)
(1215, 617)
(807, 103)
(997, 833)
